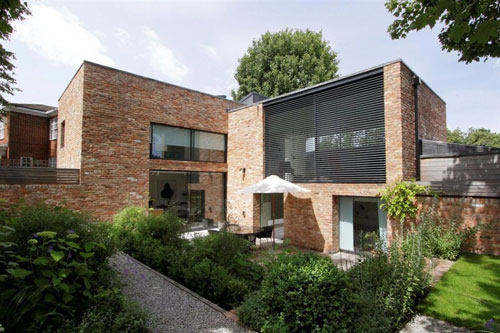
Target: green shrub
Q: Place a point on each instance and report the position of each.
(301, 292)
(441, 239)
(395, 278)
(53, 272)
(128, 217)
(28, 219)
(400, 199)
(54, 281)
(113, 314)
(216, 266)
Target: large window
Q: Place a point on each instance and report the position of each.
(53, 129)
(197, 197)
(175, 143)
(336, 135)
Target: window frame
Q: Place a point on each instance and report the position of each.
(53, 130)
(191, 146)
(2, 129)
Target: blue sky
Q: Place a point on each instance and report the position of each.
(197, 44)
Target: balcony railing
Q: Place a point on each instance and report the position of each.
(25, 163)
(38, 173)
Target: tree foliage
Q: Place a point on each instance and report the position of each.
(284, 61)
(10, 10)
(474, 136)
(470, 27)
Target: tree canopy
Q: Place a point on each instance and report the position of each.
(470, 27)
(474, 136)
(280, 62)
(10, 10)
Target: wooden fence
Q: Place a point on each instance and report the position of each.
(462, 175)
(32, 175)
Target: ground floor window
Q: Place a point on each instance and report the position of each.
(197, 197)
(358, 217)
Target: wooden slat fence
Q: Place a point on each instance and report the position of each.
(32, 175)
(466, 175)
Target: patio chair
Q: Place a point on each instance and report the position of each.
(267, 233)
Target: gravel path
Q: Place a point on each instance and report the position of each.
(423, 324)
(173, 308)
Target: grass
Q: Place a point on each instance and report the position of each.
(468, 295)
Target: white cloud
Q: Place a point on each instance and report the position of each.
(209, 50)
(122, 36)
(162, 58)
(58, 35)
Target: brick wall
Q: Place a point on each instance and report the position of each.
(432, 115)
(471, 211)
(28, 136)
(108, 115)
(245, 158)
(70, 111)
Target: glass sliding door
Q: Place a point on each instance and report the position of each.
(359, 216)
(197, 197)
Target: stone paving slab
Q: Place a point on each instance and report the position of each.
(173, 307)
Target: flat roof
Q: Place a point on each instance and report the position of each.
(145, 78)
(331, 83)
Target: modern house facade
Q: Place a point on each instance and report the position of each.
(133, 140)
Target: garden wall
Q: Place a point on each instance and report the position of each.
(471, 211)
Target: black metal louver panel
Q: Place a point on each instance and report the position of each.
(336, 135)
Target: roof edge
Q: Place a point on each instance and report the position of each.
(339, 79)
(86, 62)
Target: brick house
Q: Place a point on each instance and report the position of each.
(28, 135)
(138, 141)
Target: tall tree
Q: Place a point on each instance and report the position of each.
(470, 27)
(10, 10)
(475, 136)
(284, 61)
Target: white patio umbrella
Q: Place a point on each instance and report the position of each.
(272, 185)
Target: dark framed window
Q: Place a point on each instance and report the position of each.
(336, 135)
(176, 143)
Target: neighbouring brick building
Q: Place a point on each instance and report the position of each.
(139, 141)
(28, 134)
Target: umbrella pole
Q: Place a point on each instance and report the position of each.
(273, 213)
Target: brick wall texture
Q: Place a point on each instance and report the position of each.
(108, 115)
(28, 136)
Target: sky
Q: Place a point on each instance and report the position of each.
(197, 44)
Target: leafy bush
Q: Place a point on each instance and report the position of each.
(216, 267)
(53, 270)
(53, 282)
(393, 278)
(399, 199)
(113, 314)
(301, 292)
(128, 217)
(28, 219)
(441, 239)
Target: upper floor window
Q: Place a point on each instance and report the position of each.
(2, 130)
(175, 143)
(53, 129)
